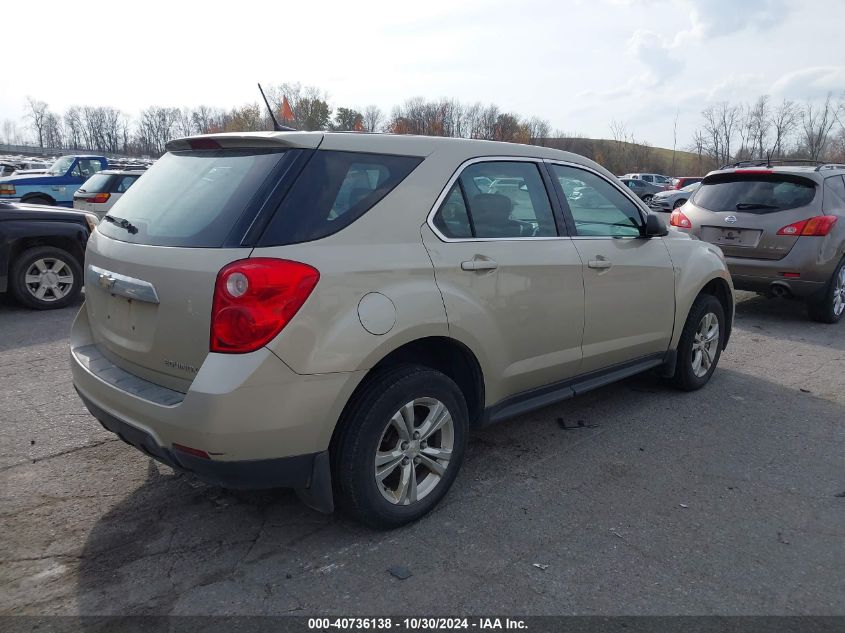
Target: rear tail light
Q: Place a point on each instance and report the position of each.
(680, 220)
(98, 198)
(254, 299)
(7, 190)
(818, 226)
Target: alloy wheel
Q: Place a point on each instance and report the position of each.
(705, 344)
(839, 292)
(49, 279)
(414, 451)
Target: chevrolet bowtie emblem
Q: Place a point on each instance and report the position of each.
(106, 281)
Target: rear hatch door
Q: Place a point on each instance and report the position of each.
(152, 263)
(743, 211)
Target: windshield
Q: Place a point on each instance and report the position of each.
(191, 198)
(60, 167)
(754, 193)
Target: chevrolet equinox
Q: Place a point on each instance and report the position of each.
(334, 312)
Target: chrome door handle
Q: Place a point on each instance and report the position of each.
(479, 264)
(600, 263)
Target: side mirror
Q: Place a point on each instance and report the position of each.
(655, 226)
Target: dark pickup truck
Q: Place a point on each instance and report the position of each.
(42, 253)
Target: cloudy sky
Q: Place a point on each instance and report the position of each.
(577, 63)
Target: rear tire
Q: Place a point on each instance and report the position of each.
(46, 278)
(830, 305)
(701, 345)
(386, 469)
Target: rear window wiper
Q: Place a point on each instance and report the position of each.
(743, 206)
(122, 223)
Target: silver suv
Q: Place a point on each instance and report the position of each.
(781, 227)
(334, 312)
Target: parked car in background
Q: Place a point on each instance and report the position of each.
(55, 187)
(643, 189)
(781, 228)
(683, 181)
(251, 334)
(41, 253)
(7, 169)
(668, 200)
(655, 179)
(99, 193)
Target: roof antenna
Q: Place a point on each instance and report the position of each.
(276, 126)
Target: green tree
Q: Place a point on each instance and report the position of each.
(347, 119)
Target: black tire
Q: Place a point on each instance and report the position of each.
(822, 307)
(679, 203)
(362, 431)
(39, 200)
(685, 376)
(51, 300)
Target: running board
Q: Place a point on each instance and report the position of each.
(557, 392)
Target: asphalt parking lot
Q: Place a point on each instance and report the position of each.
(725, 501)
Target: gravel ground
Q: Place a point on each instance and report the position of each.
(724, 501)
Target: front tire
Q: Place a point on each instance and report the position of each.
(830, 306)
(46, 278)
(647, 198)
(701, 344)
(400, 446)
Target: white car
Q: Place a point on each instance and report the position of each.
(99, 193)
(656, 179)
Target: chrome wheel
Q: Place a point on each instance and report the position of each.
(705, 344)
(49, 279)
(839, 292)
(414, 451)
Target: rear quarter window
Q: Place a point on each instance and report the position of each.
(754, 193)
(333, 190)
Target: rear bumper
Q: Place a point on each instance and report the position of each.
(812, 258)
(244, 410)
(286, 472)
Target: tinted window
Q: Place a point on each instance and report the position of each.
(192, 198)
(452, 219)
(88, 167)
(124, 183)
(598, 208)
(834, 194)
(333, 190)
(754, 193)
(97, 183)
(514, 205)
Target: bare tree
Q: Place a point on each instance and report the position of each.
(817, 122)
(783, 123)
(373, 118)
(675, 141)
(760, 117)
(36, 112)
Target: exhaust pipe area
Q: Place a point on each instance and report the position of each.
(779, 289)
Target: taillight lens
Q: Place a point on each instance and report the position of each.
(98, 198)
(680, 220)
(818, 226)
(7, 190)
(254, 299)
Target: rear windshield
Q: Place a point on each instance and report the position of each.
(754, 193)
(191, 198)
(333, 190)
(98, 183)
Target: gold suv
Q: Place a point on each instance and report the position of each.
(334, 312)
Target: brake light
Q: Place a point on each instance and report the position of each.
(818, 226)
(7, 190)
(753, 171)
(680, 220)
(204, 143)
(98, 198)
(254, 299)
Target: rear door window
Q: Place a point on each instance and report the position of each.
(333, 190)
(193, 198)
(754, 193)
(98, 183)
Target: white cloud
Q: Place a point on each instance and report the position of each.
(811, 83)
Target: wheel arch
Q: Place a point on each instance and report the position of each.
(721, 290)
(39, 194)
